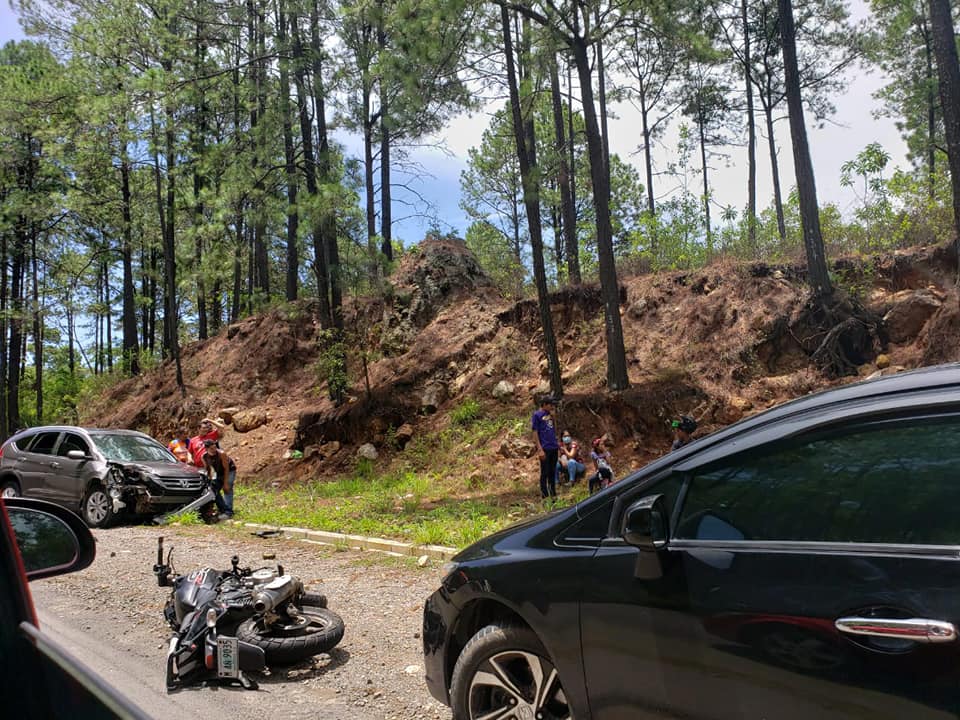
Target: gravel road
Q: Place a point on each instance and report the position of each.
(110, 615)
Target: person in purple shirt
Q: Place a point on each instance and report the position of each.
(545, 437)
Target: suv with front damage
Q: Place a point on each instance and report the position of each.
(104, 474)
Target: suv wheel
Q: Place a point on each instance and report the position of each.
(9, 489)
(504, 671)
(97, 507)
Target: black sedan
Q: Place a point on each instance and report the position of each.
(803, 563)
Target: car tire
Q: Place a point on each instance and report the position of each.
(97, 507)
(506, 667)
(9, 488)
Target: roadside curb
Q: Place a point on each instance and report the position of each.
(357, 542)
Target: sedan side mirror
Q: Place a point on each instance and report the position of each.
(645, 524)
(52, 540)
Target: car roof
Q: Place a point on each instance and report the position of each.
(75, 428)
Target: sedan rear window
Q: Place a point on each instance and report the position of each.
(131, 448)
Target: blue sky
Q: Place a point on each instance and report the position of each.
(438, 182)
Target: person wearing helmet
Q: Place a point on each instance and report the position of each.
(683, 430)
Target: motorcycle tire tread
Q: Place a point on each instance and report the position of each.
(293, 649)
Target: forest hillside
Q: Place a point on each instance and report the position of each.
(441, 346)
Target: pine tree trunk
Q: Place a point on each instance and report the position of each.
(37, 328)
(5, 427)
(948, 73)
(701, 122)
(751, 138)
(617, 377)
(819, 276)
(775, 169)
(525, 141)
(199, 147)
(328, 221)
(131, 351)
(931, 114)
(293, 215)
(568, 213)
(386, 216)
(109, 315)
(16, 323)
(320, 269)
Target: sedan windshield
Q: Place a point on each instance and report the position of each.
(131, 448)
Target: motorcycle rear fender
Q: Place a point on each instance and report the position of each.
(252, 658)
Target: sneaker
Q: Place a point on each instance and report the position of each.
(224, 516)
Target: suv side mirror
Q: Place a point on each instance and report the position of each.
(645, 524)
(77, 455)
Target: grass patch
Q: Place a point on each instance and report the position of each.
(425, 496)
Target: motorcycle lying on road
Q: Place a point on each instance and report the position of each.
(228, 623)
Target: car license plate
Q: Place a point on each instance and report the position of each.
(228, 657)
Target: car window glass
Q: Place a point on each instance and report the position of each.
(72, 442)
(893, 482)
(44, 443)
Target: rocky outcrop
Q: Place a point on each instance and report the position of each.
(247, 420)
(429, 278)
(910, 312)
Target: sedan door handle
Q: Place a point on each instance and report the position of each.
(915, 629)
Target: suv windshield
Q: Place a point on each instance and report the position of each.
(131, 448)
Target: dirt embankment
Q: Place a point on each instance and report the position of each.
(717, 343)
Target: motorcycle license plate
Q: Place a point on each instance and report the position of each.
(228, 657)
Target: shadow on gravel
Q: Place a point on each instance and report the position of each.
(314, 667)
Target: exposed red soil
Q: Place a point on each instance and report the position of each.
(715, 343)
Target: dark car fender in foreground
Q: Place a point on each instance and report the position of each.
(554, 570)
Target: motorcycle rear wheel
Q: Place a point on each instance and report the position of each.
(291, 639)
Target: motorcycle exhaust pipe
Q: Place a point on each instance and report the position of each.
(275, 593)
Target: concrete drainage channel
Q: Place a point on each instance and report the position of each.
(423, 553)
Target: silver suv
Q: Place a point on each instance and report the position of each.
(101, 473)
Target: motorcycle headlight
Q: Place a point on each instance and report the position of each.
(211, 618)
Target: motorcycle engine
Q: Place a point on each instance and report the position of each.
(262, 576)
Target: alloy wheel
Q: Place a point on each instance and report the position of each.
(517, 685)
(98, 506)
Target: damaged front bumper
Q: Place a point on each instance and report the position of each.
(206, 497)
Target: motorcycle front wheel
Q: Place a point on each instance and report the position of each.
(290, 639)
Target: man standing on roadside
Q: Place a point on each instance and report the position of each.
(209, 430)
(545, 437)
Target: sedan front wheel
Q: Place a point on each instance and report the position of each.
(505, 673)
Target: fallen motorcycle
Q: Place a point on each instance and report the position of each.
(228, 623)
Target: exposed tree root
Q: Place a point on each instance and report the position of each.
(839, 334)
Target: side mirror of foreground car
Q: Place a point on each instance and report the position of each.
(52, 539)
(645, 526)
